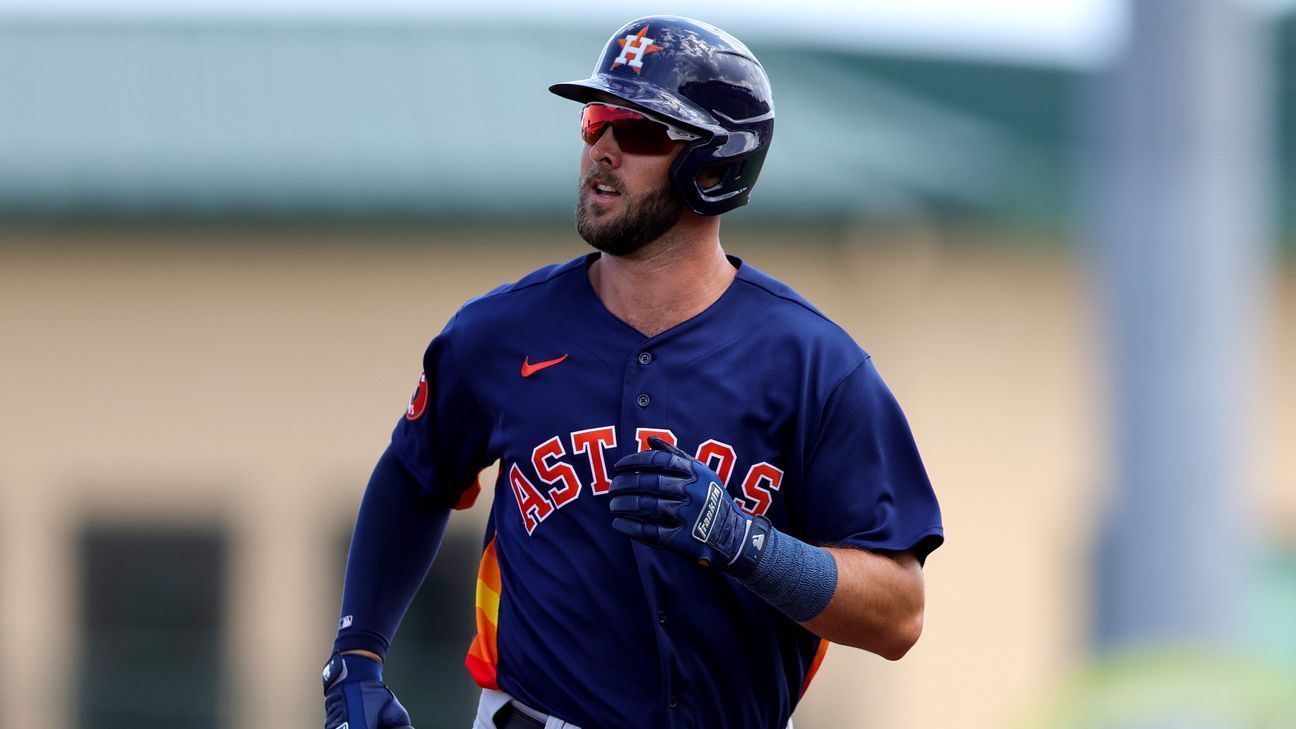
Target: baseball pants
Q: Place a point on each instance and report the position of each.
(498, 710)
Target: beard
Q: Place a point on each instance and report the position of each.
(646, 218)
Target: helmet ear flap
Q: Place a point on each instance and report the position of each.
(714, 178)
(712, 184)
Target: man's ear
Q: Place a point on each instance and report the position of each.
(711, 176)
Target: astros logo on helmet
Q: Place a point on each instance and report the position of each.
(633, 50)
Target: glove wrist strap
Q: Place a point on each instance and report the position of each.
(752, 550)
(350, 668)
(335, 671)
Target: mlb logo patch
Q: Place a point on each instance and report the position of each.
(345, 622)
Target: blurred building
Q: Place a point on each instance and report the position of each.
(223, 248)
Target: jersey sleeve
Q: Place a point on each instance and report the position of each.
(443, 438)
(866, 485)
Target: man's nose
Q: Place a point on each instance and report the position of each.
(605, 149)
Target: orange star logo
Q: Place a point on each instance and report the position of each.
(633, 50)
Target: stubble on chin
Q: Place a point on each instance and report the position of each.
(643, 219)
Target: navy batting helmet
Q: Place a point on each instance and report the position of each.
(700, 78)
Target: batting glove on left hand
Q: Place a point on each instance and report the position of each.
(665, 498)
(355, 696)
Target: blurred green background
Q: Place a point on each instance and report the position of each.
(226, 236)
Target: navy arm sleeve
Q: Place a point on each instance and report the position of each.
(397, 534)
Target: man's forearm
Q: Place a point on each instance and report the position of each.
(396, 537)
(878, 603)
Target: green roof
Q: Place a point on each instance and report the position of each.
(251, 120)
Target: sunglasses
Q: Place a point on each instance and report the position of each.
(634, 132)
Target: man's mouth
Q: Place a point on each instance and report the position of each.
(603, 192)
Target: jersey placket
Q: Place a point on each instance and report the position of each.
(643, 413)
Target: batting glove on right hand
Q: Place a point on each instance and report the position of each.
(355, 696)
(667, 499)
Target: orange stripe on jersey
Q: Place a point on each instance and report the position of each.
(483, 673)
(483, 654)
(814, 666)
(488, 571)
(469, 496)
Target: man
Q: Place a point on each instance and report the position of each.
(702, 480)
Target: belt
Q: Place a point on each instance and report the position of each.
(509, 717)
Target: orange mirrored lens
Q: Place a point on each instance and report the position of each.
(634, 132)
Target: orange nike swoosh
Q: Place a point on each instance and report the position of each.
(529, 369)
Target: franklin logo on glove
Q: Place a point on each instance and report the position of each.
(702, 529)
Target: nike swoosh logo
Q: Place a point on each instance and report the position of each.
(529, 369)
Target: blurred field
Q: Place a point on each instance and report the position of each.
(242, 382)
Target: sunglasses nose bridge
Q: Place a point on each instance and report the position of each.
(593, 130)
(604, 146)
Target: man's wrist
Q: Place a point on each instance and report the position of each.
(363, 653)
(361, 638)
(797, 578)
(350, 666)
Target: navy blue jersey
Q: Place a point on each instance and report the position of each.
(578, 620)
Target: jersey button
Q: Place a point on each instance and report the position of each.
(645, 358)
(673, 701)
(661, 616)
(643, 400)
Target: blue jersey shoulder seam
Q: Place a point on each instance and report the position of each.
(791, 299)
(509, 288)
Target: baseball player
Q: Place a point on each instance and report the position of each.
(702, 480)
